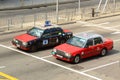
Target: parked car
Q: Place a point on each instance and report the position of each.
(39, 37)
(82, 46)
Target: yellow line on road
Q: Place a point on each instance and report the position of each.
(7, 77)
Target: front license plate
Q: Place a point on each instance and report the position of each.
(59, 56)
(17, 45)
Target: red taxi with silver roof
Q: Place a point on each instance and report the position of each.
(83, 45)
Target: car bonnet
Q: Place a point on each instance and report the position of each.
(68, 48)
(25, 37)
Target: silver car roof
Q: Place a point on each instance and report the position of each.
(88, 35)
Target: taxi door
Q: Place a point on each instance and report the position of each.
(89, 49)
(98, 45)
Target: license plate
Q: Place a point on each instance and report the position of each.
(17, 45)
(59, 56)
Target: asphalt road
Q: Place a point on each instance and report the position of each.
(41, 65)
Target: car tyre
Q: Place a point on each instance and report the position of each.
(33, 49)
(103, 52)
(76, 59)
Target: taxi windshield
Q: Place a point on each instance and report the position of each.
(76, 41)
(35, 32)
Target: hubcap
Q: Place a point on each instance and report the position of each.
(103, 52)
(77, 59)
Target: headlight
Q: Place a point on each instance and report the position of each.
(14, 40)
(68, 55)
(54, 50)
(25, 43)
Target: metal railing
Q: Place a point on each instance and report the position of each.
(64, 16)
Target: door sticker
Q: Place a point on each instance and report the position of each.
(45, 42)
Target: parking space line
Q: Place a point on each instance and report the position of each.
(56, 64)
(116, 26)
(84, 32)
(2, 66)
(99, 25)
(117, 32)
(104, 23)
(100, 66)
(116, 40)
(11, 46)
(7, 77)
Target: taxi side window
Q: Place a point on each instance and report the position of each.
(54, 31)
(57, 31)
(98, 40)
(46, 33)
(89, 42)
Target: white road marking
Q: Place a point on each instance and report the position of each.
(99, 25)
(107, 28)
(100, 66)
(11, 46)
(116, 26)
(103, 23)
(2, 66)
(67, 68)
(84, 32)
(116, 32)
(116, 40)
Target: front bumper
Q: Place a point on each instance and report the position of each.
(21, 46)
(65, 58)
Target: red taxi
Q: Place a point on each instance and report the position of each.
(82, 46)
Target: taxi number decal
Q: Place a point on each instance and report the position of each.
(45, 42)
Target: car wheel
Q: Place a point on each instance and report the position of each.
(103, 52)
(33, 49)
(76, 59)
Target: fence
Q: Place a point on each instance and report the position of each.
(67, 13)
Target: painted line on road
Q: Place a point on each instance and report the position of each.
(56, 64)
(2, 66)
(84, 32)
(103, 23)
(116, 26)
(116, 40)
(99, 25)
(11, 46)
(7, 77)
(100, 66)
(117, 32)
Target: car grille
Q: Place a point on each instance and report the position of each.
(60, 53)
